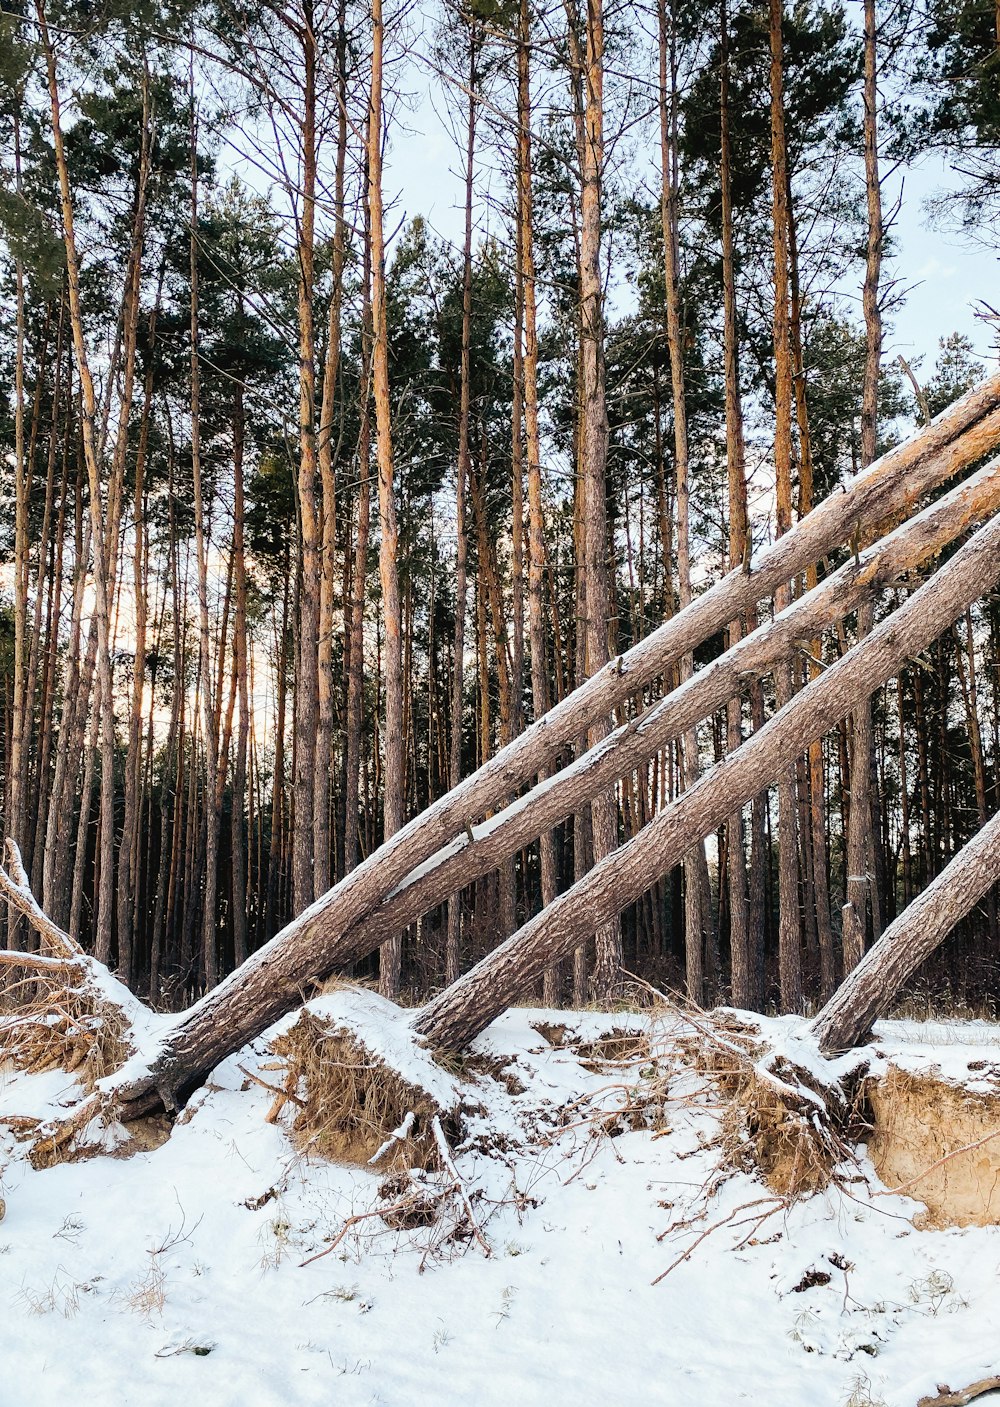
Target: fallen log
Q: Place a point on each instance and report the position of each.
(867, 992)
(946, 1397)
(319, 939)
(479, 850)
(466, 1007)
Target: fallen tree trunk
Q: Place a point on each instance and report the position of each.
(317, 941)
(479, 850)
(470, 1004)
(868, 991)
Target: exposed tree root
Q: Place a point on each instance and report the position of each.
(351, 1103)
(784, 1121)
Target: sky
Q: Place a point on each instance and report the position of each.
(946, 275)
(943, 274)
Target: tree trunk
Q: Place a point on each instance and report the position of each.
(789, 940)
(540, 695)
(870, 989)
(462, 1011)
(594, 448)
(306, 700)
(858, 881)
(210, 959)
(356, 638)
(453, 938)
(743, 986)
(392, 737)
(326, 455)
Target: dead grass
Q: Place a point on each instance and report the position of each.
(616, 1047)
(352, 1100)
(48, 1024)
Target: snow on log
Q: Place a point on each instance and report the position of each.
(319, 940)
(470, 1004)
(478, 851)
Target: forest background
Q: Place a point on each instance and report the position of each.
(311, 506)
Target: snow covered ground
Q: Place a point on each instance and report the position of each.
(176, 1276)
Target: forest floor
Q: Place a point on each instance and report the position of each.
(594, 1155)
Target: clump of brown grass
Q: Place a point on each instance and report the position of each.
(53, 1023)
(352, 1101)
(617, 1047)
(54, 1010)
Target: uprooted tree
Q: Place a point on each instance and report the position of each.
(440, 851)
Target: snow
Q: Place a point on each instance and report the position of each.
(175, 1275)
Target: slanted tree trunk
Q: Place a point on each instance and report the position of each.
(273, 980)
(632, 745)
(462, 1011)
(870, 989)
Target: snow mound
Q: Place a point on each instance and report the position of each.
(234, 1264)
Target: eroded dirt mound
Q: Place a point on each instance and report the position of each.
(939, 1143)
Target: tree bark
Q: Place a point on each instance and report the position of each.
(594, 447)
(697, 900)
(306, 699)
(326, 452)
(743, 986)
(210, 959)
(869, 990)
(453, 938)
(859, 861)
(789, 938)
(390, 964)
(462, 1011)
(540, 695)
